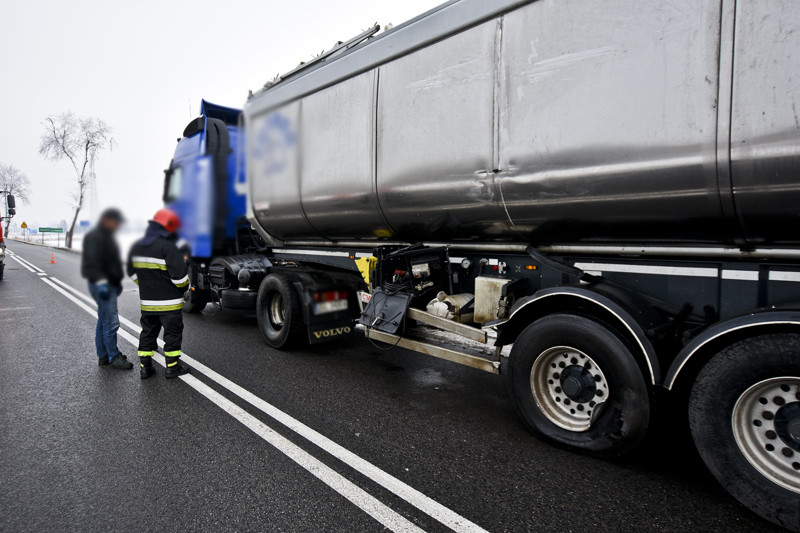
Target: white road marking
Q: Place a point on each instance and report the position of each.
(366, 502)
(31, 265)
(411, 495)
(15, 258)
(352, 492)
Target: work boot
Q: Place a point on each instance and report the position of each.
(120, 362)
(146, 368)
(175, 368)
(103, 361)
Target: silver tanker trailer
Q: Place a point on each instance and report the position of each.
(599, 201)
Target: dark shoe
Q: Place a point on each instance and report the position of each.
(146, 368)
(175, 368)
(120, 363)
(103, 361)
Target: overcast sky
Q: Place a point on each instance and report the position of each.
(143, 67)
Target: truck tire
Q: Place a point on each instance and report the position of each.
(574, 382)
(235, 299)
(279, 312)
(194, 302)
(744, 412)
(2, 269)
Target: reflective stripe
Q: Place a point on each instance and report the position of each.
(174, 301)
(169, 365)
(184, 281)
(152, 266)
(649, 269)
(176, 353)
(161, 308)
(101, 282)
(141, 259)
(145, 354)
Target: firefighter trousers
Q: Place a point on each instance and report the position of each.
(151, 327)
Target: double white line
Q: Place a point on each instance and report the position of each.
(356, 495)
(27, 264)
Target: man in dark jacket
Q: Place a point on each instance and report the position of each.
(158, 267)
(101, 265)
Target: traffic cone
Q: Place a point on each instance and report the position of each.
(52, 259)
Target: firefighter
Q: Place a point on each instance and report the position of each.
(158, 267)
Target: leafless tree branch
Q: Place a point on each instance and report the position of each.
(79, 141)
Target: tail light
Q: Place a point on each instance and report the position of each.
(330, 302)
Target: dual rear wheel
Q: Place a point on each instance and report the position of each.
(576, 383)
(744, 412)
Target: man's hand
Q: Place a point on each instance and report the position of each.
(104, 291)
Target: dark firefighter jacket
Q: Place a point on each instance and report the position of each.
(157, 266)
(100, 262)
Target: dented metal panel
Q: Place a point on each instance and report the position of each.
(608, 122)
(435, 140)
(566, 122)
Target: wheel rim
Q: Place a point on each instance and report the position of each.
(766, 424)
(277, 315)
(568, 387)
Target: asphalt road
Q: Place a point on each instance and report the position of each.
(337, 437)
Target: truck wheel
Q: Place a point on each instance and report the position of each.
(194, 303)
(744, 412)
(2, 268)
(576, 383)
(279, 312)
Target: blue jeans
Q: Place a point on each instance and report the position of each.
(105, 337)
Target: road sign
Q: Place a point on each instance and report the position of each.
(24, 225)
(51, 230)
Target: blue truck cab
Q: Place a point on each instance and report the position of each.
(205, 185)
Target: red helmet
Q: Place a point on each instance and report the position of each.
(169, 219)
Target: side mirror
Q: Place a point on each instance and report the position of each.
(12, 203)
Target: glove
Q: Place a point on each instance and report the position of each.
(104, 291)
(118, 289)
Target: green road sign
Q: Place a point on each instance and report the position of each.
(51, 230)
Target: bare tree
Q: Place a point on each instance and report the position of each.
(80, 141)
(14, 181)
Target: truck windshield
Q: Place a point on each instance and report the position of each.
(172, 190)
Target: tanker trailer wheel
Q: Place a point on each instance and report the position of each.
(576, 383)
(744, 412)
(280, 316)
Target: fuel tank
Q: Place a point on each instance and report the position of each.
(545, 122)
